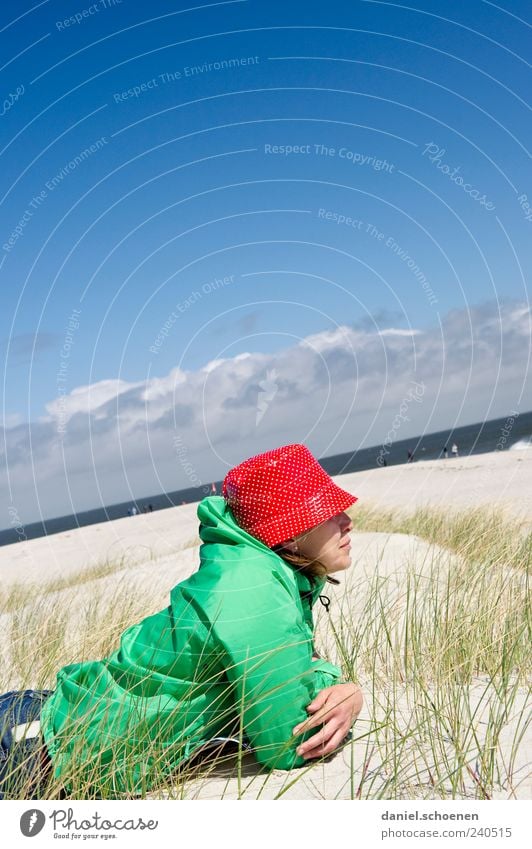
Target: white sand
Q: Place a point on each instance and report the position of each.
(161, 551)
(138, 538)
(502, 478)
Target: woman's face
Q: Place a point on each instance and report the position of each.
(327, 542)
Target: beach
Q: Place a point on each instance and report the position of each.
(153, 552)
(499, 478)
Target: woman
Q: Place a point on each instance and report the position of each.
(232, 654)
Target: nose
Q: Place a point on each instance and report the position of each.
(346, 523)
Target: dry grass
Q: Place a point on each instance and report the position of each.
(444, 660)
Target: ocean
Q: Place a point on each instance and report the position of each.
(478, 438)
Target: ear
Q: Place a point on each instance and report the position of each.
(292, 546)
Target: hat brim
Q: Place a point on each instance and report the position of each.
(328, 502)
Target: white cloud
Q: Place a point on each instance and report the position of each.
(213, 364)
(12, 419)
(340, 336)
(333, 391)
(158, 387)
(87, 399)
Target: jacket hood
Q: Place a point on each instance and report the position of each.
(219, 526)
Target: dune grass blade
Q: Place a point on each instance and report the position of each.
(442, 654)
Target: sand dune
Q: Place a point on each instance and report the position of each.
(160, 549)
(499, 477)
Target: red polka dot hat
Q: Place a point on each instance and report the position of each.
(277, 495)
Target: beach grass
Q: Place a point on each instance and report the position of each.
(477, 534)
(442, 655)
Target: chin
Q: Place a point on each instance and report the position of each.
(340, 566)
(347, 562)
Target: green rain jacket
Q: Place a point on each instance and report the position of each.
(232, 651)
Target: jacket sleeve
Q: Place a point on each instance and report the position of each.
(326, 674)
(267, 648)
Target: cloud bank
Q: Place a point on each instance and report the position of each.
(336, 390)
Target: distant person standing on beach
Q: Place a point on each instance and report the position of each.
(231, 658)
(445, 451)
(454, 449)
(410, 456)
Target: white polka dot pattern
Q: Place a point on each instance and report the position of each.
(276, 495)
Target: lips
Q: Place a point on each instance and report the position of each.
(346, 544)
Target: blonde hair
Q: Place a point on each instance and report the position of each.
(310, 568)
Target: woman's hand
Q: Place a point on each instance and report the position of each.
(335, 708)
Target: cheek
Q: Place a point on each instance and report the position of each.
(315, 547)
(321, 542)
(325, 546)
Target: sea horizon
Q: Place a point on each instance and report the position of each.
(477, 438)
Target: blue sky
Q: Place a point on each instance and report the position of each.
(195, 196)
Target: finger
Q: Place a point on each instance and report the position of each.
(311, 722)
(320, 700)
(315, 705)
(319, 738)
(309, 745)
(324, 714)
(326, 748)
